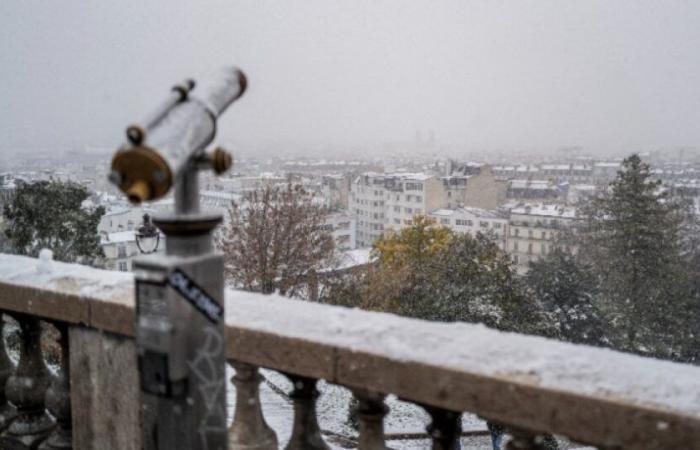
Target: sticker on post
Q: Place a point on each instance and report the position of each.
(194, 294)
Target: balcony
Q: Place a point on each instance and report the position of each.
(605, 399)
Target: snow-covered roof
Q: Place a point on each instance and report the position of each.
(547, 210)
(353, 258)
(478, 213)
(443, 212)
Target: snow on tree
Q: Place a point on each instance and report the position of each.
(429, 272)
(276, 240)
(52, 214)
(630, 235)
(567, 290)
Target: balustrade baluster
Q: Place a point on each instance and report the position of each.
(7, 410)
(26, 388)
(249, 430)
(445, 428)
(58, 398)
(370, 415)
(306, 434)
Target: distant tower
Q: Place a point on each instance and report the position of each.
(431, 138)
(418, 138)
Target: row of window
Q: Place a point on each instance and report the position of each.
(376, 204)
(531, 234)
(377, 216)
(470, 223)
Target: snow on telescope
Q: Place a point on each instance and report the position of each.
(160, 148)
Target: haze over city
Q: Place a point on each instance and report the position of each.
(605, 76)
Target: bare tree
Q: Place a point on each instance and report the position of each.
(276, 240)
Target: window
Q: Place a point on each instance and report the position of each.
(516, 232)
(414, 186)
(409, 210)
(483, 224)
(123, 267)
(445, 221)
(397, 221)
(515, 246)
(544, 234)
(529, 249)
(397, 209)
(417, 211)
(121, 251)
(419, 198)
(515, 259)
(408, 198)
(529, 234)
(497, 225)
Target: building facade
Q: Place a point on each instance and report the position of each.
(533, 231)
(475, 220)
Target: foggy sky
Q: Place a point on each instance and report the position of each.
(619, 75)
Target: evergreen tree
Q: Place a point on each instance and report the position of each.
(631, 236)
(50, 214)
(567, 290)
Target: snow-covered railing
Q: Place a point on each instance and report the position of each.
(533, 386)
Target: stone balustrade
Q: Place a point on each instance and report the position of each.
(533, 386)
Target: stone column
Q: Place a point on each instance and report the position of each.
(26, 388)
(445, 428)
(306, 434)
(249, 430)
(58, 399)
(7, 411)
(370, 415)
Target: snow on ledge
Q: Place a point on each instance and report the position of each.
(468, 348)
(477, 350)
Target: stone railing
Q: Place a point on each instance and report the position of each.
(533, 386)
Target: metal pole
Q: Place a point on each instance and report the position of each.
(180, 295)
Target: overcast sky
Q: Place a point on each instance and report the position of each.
(619, 75)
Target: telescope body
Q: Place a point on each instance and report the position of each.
(162, 147)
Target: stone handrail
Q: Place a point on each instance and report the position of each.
(599, 397)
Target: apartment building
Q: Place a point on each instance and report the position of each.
(119, 249)
(384, 201)
(343, 227)
(474, 185)
(475, 220)
(533, 230)
(367, 196)
(409, 195)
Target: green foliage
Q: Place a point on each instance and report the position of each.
(567, 290)
(49, 214)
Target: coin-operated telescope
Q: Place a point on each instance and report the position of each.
(180, 295)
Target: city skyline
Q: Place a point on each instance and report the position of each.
(614, 77)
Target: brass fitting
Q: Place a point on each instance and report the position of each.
(221, 160)
(141, 173)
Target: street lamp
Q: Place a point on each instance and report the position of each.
(147, 236)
